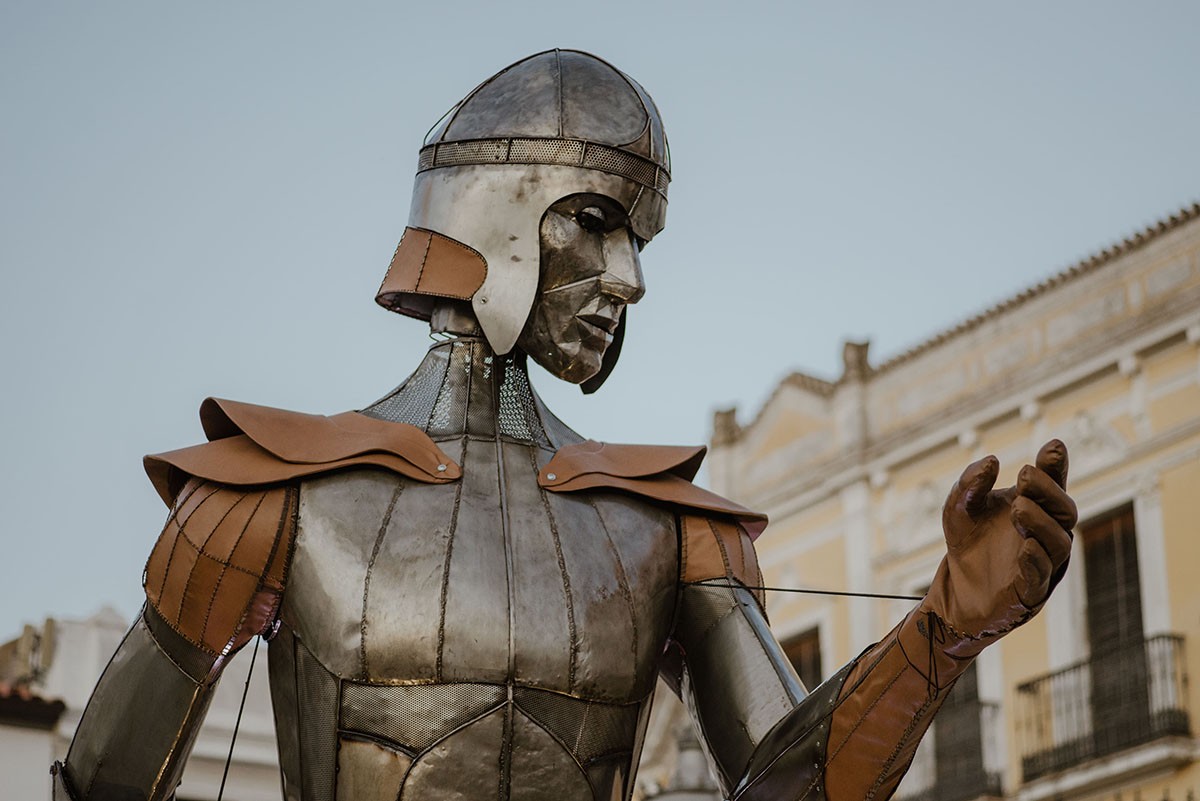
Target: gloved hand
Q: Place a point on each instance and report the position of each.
(1005, 552)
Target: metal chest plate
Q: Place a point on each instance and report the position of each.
(447, 623)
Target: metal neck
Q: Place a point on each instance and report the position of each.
(462, 388)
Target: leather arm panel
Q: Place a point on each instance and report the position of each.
(714, 549)
(887, 703)
(217, 572)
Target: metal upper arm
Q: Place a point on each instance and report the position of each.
(213, 581)
(143, 716)
(736, 680)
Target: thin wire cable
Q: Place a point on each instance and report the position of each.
(720, 583)
(237, 724)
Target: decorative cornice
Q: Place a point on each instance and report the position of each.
(1088, 265)
(809, 383)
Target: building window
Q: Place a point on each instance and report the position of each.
(804, 651)
(1119, 695)
(1130, 691)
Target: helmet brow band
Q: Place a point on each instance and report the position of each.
(566, 152)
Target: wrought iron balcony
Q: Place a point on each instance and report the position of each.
(959, 758)
(1120, 698)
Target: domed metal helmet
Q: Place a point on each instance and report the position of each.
(554, 124)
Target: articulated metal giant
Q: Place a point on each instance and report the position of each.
(465, 598)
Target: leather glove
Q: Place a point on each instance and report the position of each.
(1005, 552)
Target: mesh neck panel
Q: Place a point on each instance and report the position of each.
(461, 387)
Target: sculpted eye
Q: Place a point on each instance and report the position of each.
(592, 219)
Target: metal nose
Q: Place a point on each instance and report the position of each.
(622, 278)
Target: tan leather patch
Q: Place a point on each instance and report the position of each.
(884, 709)
(217, 572)
(717, 549)
(658, 472)
(428, 263)
(627, 461)
(255, 445)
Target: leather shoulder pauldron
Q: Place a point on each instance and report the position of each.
(256, 445)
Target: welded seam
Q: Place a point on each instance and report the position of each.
(622, 576)
(225, 565)
(199, 549)
(384, 526)
(505, 526)
(566, 579)
(506, 746)
(300, 749)
(179, 524)
(445, 589)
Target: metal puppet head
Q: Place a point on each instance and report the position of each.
(532, 198)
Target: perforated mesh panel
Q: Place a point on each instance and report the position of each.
(663, 180)
(518, 412)
(447, 409)
(588, 728)
(610, 160)
(317, 695)
(546, 151)
(413, 401)
(455, 385)
(415, 717)
(484, 152)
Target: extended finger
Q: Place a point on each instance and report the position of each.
(1034, 572)
(1052, 460)
(971, 491)
(1034, 523)
(1039, 487)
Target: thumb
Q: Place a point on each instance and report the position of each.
(969, 495)
(1052, 460)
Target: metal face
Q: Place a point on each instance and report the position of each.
(497, 210)
(590, 272)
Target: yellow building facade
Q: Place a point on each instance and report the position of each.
(1090, 700)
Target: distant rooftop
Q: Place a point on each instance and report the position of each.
(20, 706)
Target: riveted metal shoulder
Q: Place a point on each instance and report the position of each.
(217, 572)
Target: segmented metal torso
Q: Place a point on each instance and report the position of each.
(482, 639)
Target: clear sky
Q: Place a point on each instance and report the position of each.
(201, 199)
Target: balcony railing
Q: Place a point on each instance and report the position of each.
(1120, 698)
(970, 768)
